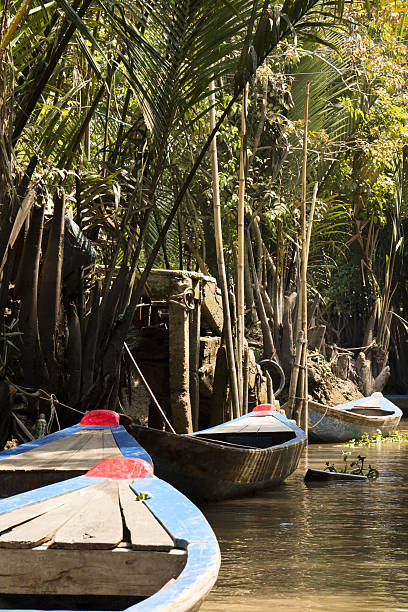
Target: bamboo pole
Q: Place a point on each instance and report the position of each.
(18, 18)
(245, 385)
(295, 375)
(304, 416)
(241, 244)
(221, 263)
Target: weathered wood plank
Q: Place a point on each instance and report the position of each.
(89, 454)
(251, 424)
(145, 530)
(26, 513)
(53, 454)
(110, 448)
(37, 530)
(62, 572)
(97, 525)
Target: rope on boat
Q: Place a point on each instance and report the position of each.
(320, 420)
(144, 381)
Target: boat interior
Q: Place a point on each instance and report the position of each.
(66, 602)
(370, 411)
(248, 440)
(250, 432)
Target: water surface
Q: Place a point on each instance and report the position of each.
(340, 547)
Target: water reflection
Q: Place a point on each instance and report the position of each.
(334, 547)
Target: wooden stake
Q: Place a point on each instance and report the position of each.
(245, 385)
(303, 416)
(241, 244)
(221, 264)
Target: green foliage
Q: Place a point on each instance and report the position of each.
(378, 438)
(354, 467)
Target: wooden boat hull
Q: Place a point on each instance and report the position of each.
(205, 470)
(350, 421)
(93, 536)
(326, 476)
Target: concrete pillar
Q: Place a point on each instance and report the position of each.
(195, 320)
(179, 366)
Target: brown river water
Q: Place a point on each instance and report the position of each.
(340, 547)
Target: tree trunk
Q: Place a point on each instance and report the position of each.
(30, 350)
(50, 290)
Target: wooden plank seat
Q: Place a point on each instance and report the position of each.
(97, 537)
(252, 424)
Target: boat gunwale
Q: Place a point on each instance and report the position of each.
(344, 414)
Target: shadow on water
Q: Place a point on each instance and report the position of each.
(343, 546)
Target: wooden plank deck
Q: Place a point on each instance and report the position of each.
(98, 524)
(145, 533)
(264, 424)
(103, 527)
(80, 451)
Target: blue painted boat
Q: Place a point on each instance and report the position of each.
(351, 420)
(116, 538)
(253, 452)
(66, 453)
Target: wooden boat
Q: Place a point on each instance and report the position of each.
(326, 476)
(116, 535)
(255, 451)
(67, 453)
(347, 421)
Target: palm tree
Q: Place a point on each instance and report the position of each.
(87, 80)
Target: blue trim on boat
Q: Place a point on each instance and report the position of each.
(190, 530)
(128, 445)
(384, 402)
(175, 511)
(300, 434)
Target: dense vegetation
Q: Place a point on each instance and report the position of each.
(104, 110)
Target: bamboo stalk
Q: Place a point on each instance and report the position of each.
(295, 374)
(221, 263)
(303, 416)
(241, 244)
(18, 18)
(245, 385)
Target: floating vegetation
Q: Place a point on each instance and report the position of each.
(354, 467)
(143, 495)
(378, 438)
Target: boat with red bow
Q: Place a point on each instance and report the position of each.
(116, 538)
(67, 453)
(255, 451)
